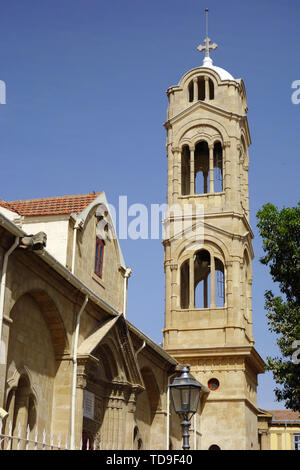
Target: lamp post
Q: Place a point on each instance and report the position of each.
(185, 392)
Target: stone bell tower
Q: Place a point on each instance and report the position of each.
(208, 315)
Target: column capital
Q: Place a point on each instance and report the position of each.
(211, 146)
(176, 149)
(192, 147)
(206, 78)
(226, 144)
(173, 267)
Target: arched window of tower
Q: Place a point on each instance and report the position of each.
(202, 282)
(201, 89)
(202, 279)
(185, 284)
(220, 283)
(218, 167)
(185, 170)
(201, 168)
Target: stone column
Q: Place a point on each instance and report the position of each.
(195, 84)
(192, 170)
(176, 153)
(212, 282)
(21, 412)
(265, 440)
(10, 410)
(170, 174)
(226, 171)
(174, 301)
(192, 283)
(167, 282)
(179, 172)
(129, 421)
(211, 169)
(206, 88)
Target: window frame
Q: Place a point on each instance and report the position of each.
(296, 441)
(99, 256)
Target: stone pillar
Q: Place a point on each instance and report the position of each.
(176, 153)
(265, 440)
(170, 174)
(206, 88)
(211, 169)
(226, 171)
(21, 414)
(174, 301)
(195, 84)
(10, 410)
(130, 421)
(192, 283)
(179, 172)
(212, 282)
(167, 282)
(192, 171)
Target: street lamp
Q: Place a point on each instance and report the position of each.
(185, 392)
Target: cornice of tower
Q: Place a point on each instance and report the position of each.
(248, 353)
(205, 105)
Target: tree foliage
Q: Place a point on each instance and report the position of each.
(280, 231)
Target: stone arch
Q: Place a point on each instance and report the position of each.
(212, 74)
(36, 342)
(108, 360)
(152, 390)
(220, 130)
(51, 315)
(214, 245)
(147, 404)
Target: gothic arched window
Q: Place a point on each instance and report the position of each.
(99, 257)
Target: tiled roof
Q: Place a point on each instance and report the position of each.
(51, 205)
(281, 415)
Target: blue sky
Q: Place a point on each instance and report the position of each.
(86, 82)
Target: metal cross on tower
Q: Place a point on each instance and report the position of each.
(207, 41)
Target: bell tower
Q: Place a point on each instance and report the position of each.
(208, 314)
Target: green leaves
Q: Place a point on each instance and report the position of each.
(280, 231)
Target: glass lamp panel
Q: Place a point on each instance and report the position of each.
(176, 397)
(185, 399)
(195, 394)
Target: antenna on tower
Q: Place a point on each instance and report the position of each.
(206, 20)
(207, 47)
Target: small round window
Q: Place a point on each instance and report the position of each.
(213, 384)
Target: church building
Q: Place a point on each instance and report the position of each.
(74, 372)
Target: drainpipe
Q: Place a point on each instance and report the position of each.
(127, 274)
(77, 225)
(2, 289)
(74, 378)
(140, 349)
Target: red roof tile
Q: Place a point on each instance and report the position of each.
(281, 415)
(51, 205)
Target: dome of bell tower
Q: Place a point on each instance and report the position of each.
(223, 74)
